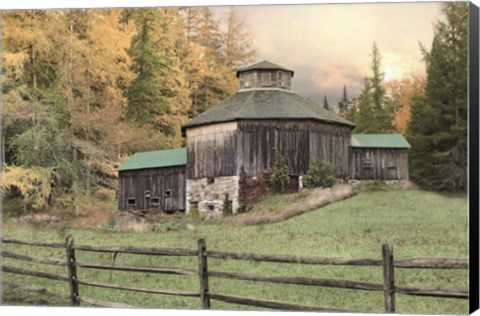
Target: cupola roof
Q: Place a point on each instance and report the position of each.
(264, 65)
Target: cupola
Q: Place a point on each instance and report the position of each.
(265, 75)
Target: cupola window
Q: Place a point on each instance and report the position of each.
(266, 79)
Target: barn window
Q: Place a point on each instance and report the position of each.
(391, 163)
(367, 163)
(147, 194)
(248, 80)
(210, 180)
(285, 79)
(266, 79)
(168, 193)
(131, 201)
(155, 201)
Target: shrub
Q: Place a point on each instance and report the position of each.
(227, 206)
(251, 191)
(279, 178)
(104, 194)
(320, 175)
(194, 212)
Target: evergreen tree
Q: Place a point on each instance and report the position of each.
(375, 114)
(212, 56)
(343, 103)
(364, 115)
(325, 103)
(438, 127)
(145, 100)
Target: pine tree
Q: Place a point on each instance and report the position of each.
(375, 114)
(210, 56)
(438, 127)
(325, 103)
(145, 100)
(343, 103)
(364, 115)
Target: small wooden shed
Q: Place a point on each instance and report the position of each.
(154, 180)
(379, 157)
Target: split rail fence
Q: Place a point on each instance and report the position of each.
(206, 295)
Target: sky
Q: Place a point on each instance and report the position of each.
(329, 45)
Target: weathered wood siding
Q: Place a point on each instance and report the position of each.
(265, 79)
(299, 141)
(378, 164)
(331, 143)
(147, 185)
(211, 151)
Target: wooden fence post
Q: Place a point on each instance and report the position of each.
(203, 273)
(72, 271)
(388, 278)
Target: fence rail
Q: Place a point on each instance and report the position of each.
(388, 263)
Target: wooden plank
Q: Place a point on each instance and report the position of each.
(293, 259)
(434, 292)
(432, 263)
(203, 273)
(33, 243)
(388, 278)
(269, 304)
(97, 302)
(72, 271)
(40, 290)
(38, 274)
(174, 271)
(18, 256)
(299, 280)
(139, 289)
(141, 251)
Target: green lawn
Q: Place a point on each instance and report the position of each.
(416, 223)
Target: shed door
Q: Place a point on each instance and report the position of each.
(168, 192)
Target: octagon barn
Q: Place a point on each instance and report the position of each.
(248, 128)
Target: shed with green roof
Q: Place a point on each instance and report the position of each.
(153, 180)
(379, 157)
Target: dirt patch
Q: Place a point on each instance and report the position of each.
(41, 220)
(315, 199)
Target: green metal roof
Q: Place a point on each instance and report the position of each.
(379, 141)
(265, 104)
(264, 65)
(155, 159)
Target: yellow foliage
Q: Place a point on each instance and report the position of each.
(14, 63)
(403, 92)
(33, 183)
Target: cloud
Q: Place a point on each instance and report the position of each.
(329, 45)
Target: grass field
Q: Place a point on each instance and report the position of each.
(416, 223)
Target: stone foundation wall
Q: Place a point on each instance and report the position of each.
(210, 197)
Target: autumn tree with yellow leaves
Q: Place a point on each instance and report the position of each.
(84, 89)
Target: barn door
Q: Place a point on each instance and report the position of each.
(147, 192)
(168, 192)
